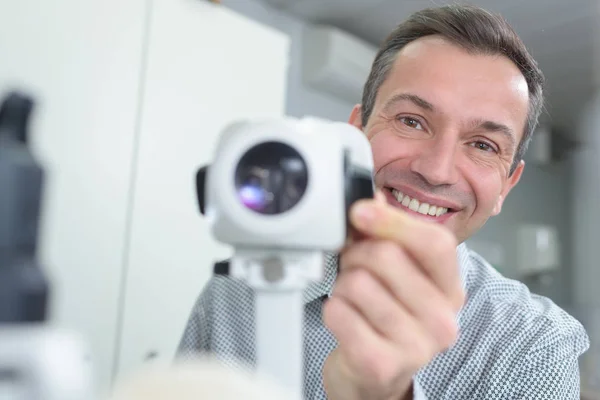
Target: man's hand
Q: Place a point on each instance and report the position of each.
(394, 304)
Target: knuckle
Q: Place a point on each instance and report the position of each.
(443, 241)
(356, 282)
(356, 357)
(352, 284)
(386, 252)
(333, 315)
(374, 364)
(421, 350)
(378, 368)
(371, 365)
(441, 324)
(448, 332)
(383, 373)
(388, 321)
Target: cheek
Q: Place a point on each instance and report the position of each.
(387, 148)
(486, 185)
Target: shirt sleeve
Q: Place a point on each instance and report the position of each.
(550, 371)
(547, 368)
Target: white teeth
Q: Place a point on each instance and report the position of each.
(415, 205)
(424, 208)
(406, 201)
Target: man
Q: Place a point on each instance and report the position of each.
(406, 310)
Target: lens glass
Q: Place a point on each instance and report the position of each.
(271, 178)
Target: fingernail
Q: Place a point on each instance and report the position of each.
(364, 213)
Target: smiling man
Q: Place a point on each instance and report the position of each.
(446, 126)
(406, 310)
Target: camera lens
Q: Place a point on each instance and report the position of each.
(271, 178)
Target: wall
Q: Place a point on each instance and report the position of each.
(302, 100)
(541, 197)
(586, 229)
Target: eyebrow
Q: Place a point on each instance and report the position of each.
(413, 98)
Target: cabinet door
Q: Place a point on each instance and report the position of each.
(81, 60)
(206, 67)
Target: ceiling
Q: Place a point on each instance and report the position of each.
(561, 34)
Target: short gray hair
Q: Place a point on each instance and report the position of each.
(474, 29)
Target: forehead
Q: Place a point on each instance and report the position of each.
(459, 84)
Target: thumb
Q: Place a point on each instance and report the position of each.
(355, 235)
(380, 196)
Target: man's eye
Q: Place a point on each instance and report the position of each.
(411, 122)
(483, 146)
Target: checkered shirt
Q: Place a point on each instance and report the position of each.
(513, 344)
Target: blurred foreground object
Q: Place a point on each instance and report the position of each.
(23, 286)
(41, 363)
(37, 362)
(195, 380)
(279, 192)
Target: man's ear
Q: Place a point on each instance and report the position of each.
(510, 183)
(356, 117)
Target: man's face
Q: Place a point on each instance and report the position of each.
(444, 131)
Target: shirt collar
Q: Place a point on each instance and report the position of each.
(324, 287)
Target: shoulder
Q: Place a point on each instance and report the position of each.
(221, 320)
(507, 307)
(512, 343)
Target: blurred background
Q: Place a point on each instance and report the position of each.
(131, 96)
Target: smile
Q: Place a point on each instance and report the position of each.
(417, 206)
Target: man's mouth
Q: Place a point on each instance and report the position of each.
(416, 206)
(433, 211)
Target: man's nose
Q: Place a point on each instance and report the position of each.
(437, 162)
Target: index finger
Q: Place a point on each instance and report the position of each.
(432, 246)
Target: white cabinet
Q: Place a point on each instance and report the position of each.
(205, 67)
(81, 60)
(132, 95)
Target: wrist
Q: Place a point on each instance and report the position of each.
(340, 384)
